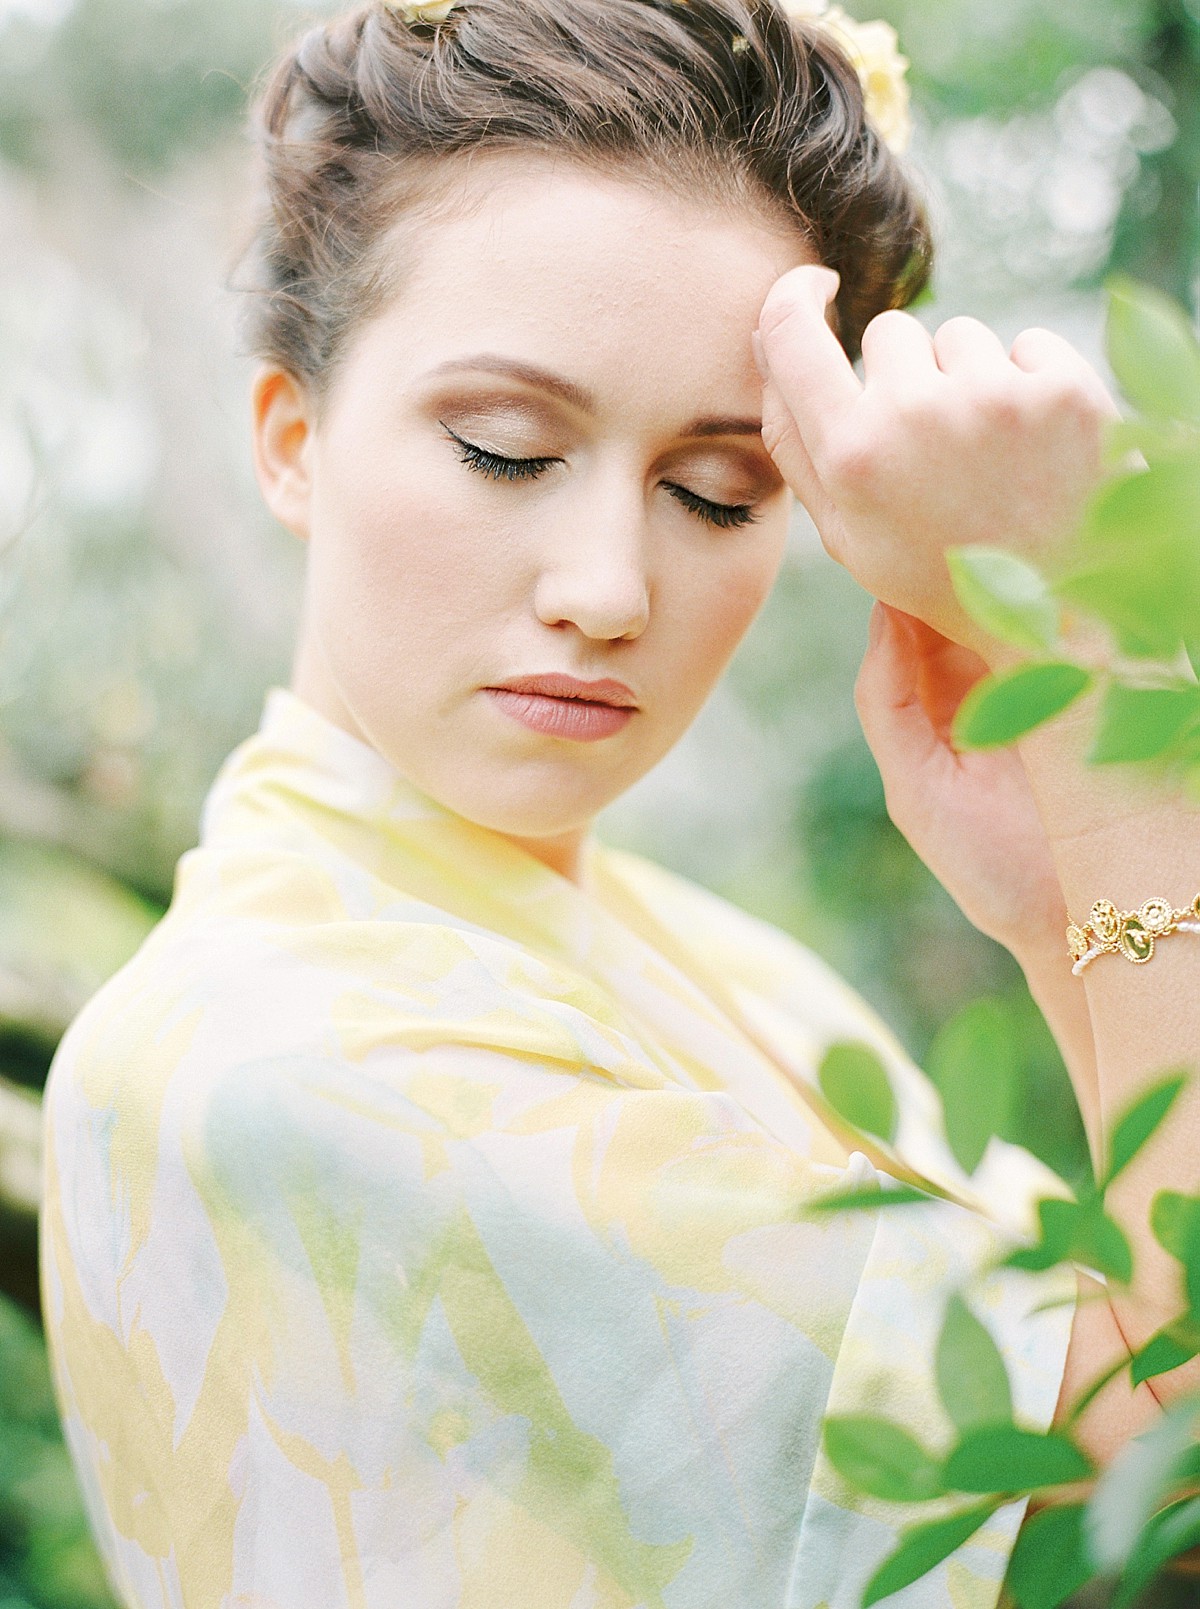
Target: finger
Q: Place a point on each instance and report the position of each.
(787, 448)
(887, 698)
(967, 343)
(1043, 352)
(913, 679)
(946, 671)
(897, 350)
(807, 363)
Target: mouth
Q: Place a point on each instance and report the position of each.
(563, 706)
(555, 684)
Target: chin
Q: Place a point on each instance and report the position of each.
(533, 801)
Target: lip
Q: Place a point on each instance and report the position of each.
(561, 706)
(555, 684)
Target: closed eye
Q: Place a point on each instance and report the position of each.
(724, 515)
(489, 463)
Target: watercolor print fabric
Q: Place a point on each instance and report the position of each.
(422, 1229)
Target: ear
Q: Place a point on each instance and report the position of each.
(282, 426)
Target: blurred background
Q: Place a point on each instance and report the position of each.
(147, 601)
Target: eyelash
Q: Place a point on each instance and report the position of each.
(726, 516)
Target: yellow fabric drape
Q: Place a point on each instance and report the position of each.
(421, 1228)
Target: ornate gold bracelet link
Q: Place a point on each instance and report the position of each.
(1128, 933)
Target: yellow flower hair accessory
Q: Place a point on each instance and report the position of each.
(421, 10)
(873, 47)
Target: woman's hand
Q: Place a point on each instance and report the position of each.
(973, 819)
(948, 440)
(971, 815)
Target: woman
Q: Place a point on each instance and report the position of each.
(425, 1208)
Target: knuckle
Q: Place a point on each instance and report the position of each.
(960, 323)
(1033, 341)
(1001, 405)
(852, 458)
(1070, 395)
(834, 544)
(917, 407)
(890, 318)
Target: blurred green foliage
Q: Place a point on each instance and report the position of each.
(47, 1558)
(1061, 142)
(151, 80)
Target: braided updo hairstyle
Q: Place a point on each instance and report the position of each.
(363, 125)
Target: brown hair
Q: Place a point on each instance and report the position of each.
(357, 122)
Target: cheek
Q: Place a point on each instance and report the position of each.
(722, 605)
(409, 557)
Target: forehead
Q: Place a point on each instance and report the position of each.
(547, 251)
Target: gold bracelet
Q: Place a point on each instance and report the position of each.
(1128, 933)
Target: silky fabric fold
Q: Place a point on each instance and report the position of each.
(422, 1228)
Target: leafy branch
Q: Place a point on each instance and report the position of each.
(1120, 613)
(995, 1459)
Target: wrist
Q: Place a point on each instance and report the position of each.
(1082, 803)
(1043, 956)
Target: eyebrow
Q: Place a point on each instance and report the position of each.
(569, 391)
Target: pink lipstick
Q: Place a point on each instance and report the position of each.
(562, 706)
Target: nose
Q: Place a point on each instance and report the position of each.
(596, 578)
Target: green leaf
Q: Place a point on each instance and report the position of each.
(1152, 349)
(900, 1195)
(1001, 708)
(1056, 1222)
(1173, 1530)
(922, 1547)
(1167, 1349)
(1154, 438)
(1122, 589)
(881, 1458)
(1175, 1224)
(1139, 1121)
(1004, 595)
(1004, 1458)
(855, 1083)
(1138, 723)
(1136, 564)
(1049, 1562)
(1077, 1232)
(971, 1376)
(1099, 1242)
(1133, 1486)
(974, 1061)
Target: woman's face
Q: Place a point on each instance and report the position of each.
(598, 331)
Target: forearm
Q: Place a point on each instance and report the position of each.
(1116, 835)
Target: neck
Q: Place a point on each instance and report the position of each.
(563, 854)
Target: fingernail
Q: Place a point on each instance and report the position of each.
(760, 358)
